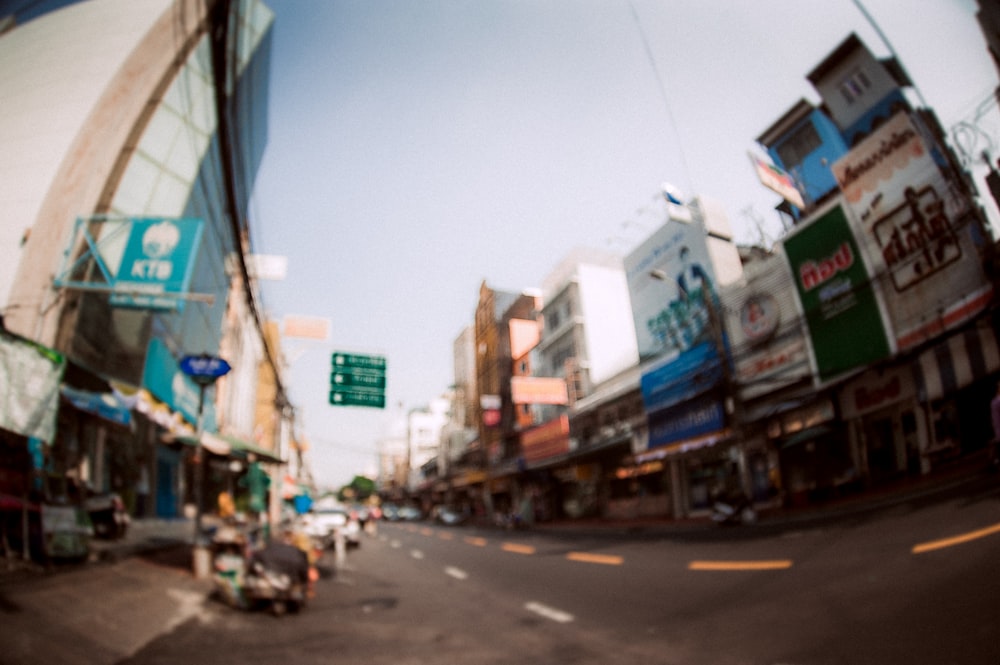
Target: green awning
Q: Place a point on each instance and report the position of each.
(227, 446)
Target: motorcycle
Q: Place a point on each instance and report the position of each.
(276, 576)
(282, 591)
(732, 510)
(107, 515)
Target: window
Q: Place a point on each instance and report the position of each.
(794, 149)
(855, 85)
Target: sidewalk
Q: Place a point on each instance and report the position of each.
(969, 470)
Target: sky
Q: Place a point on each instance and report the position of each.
(419, 148)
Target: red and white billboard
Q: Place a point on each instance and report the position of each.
(916, 229)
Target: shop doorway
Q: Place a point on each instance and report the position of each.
(880, 441)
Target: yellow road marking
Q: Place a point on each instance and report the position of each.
(517, 549)
(955, 540)
(427, 532)
(445, 535)
(775, 564)
(586, 557)
(478, 542)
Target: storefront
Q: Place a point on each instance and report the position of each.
(815, 456)
(886, 425)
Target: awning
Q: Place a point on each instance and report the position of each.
(957, 362)
(808, 434)
(103, 405)
(226, 446)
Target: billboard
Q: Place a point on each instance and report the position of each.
(764, 329)
(836, 294)
(915, 229)
(674, 303)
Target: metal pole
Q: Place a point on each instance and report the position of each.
(199, 467)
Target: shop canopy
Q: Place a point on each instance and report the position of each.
(227, 446)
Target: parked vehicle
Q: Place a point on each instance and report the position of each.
(735, 509)
(410, 514)
(449, 516)
(107, 514)
(324, 523)
(277, 576)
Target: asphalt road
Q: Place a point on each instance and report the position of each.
(913, 584)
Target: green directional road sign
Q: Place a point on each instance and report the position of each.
(370, 398)
(356, 361)
(357, 380)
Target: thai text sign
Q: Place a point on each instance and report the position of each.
(841, 311)
(357, 380)
(916, 228)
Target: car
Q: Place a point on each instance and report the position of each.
(324, 523)
(449, 516)
(410, 514)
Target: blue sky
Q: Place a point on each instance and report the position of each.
(419, 148)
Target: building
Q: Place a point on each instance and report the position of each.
(132, 134)
(887, 253)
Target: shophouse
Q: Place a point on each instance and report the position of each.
(129, 171)
(498, 313)
(674, 281)
(586, 340)
(886, 260)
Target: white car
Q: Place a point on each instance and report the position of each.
(323, 524)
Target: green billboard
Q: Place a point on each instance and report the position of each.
(835, 290)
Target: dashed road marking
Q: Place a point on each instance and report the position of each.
(960, 539)
(549, 612)
(774, 564)
(457, 573)
(604, 559)
(517, 549)
(416, 554)
(475, 540)
(444, 535)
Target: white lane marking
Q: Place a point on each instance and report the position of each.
(457, 573)
(417, 554)
(395, 544)
(549, 612)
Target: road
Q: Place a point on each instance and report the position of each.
(912, 584)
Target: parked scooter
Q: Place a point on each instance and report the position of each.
(279, 576)
(276, 576)
(107, 515)
(735, 509)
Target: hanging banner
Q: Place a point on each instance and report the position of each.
(836, 294)
(915, 228)
(30, 375)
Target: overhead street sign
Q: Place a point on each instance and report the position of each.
(353, 379)
(357, 380)
(357, 398)
(356, 361)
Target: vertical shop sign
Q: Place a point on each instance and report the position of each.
(915, 228)
(836, 294)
